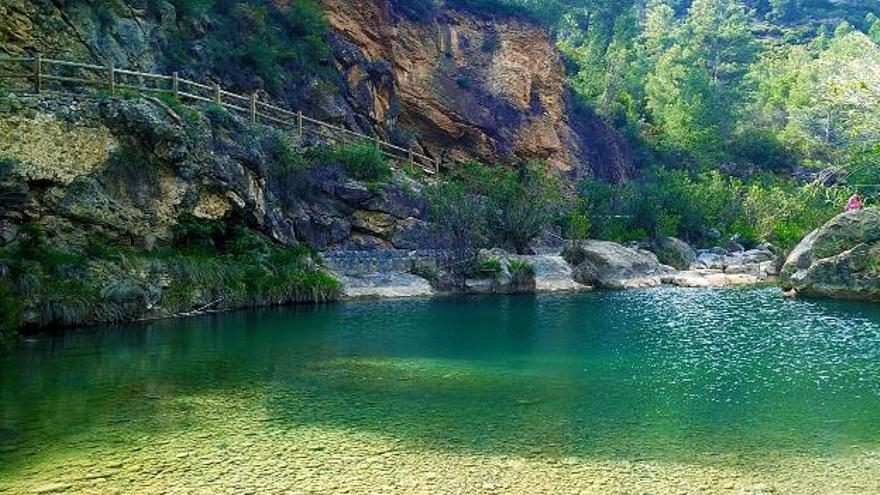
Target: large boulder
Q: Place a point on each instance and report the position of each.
(839, 260)
(609, 265)
(674, 252)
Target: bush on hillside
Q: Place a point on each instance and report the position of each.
(362, 161)
(459, 221)
(254, 45)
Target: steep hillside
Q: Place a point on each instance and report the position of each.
(491, 88)
(453, 84)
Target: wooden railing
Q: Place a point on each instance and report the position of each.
(43, 74)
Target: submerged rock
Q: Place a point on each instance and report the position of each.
(839, 260)
(710, 278)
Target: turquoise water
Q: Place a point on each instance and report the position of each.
(699, 377)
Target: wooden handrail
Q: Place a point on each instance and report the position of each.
(108, 73)
(52, 61)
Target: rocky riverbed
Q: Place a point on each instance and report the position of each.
(236, 447)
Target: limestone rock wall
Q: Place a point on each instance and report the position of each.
(454, 84)
(126, 171)
(471, 87)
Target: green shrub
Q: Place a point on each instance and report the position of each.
(463, 80)
(195, 234)
(579, 223)
(189, 114)
(281, 45)
(520, 201)
(189, 8)
(683, 204)
(489, 268)
(521, 269)
(282, 157)
(459, 223)
(668, 224)
(362, 161)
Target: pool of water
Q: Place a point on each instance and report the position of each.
(669, 390)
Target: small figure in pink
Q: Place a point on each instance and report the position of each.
(854, 203)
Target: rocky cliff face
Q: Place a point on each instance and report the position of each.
(127, 170)
(453, 84)
(471, 87)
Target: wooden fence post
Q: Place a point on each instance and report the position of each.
(175, 85)
(38, 72)
(217, 95)
(111, 79)
(378, 144)
(299, 123)
(254, 108)
(437, 165)
(412, 160)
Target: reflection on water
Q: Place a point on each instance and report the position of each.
(695, 376)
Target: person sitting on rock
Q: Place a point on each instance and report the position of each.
(854, 203)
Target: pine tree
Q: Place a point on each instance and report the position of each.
(694, 87)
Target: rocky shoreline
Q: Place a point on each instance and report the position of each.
(574, 267)
(840, 260)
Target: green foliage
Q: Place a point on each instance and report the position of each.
(214, 262)
(463, 80)
(520, 201)
(821, 105)
(253, 44)
(489, 268)
(44, 280)
(521, 269)
(692, 91)
(685, 205)
(193, 234)
(696, 82)
(282, 157)
(459, 224)
(479, 206)
(189, 114)
(188, 8)
(737, 85)
(579, 222)
(362, 161)
(242, 276)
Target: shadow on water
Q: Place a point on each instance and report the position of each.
(671, 375)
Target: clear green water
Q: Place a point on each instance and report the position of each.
(671, 375)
